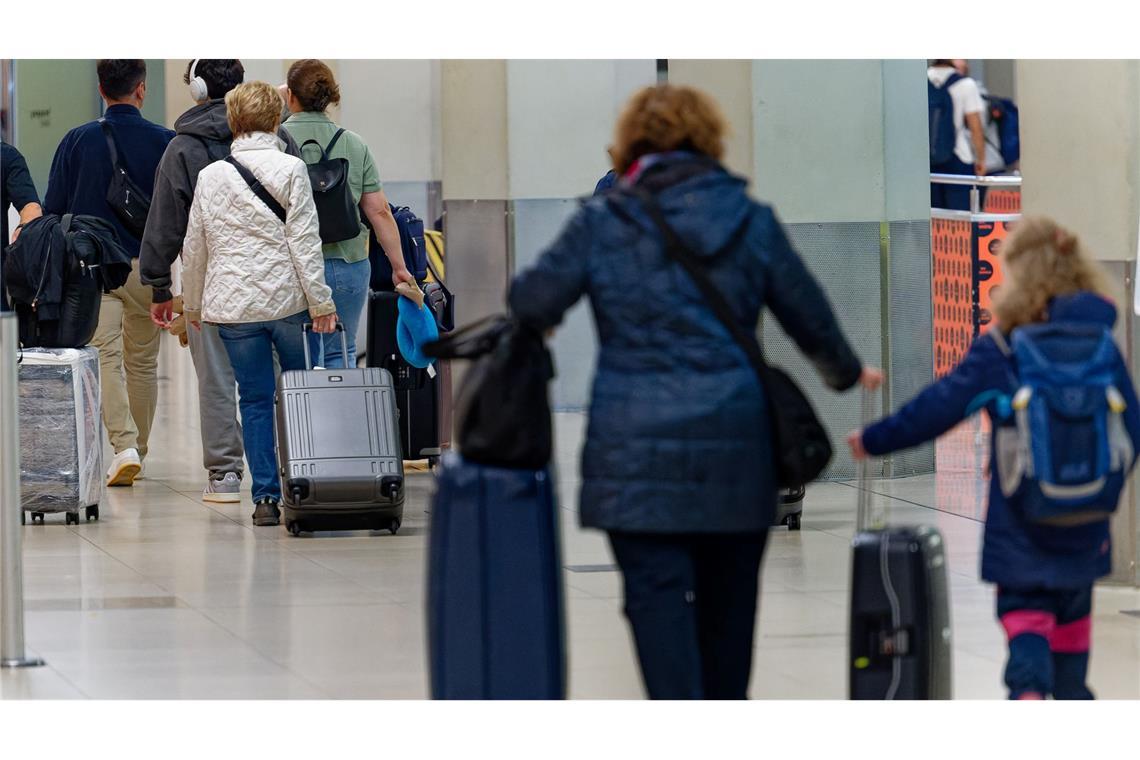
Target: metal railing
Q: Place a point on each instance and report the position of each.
(974, 182)
(12, 653)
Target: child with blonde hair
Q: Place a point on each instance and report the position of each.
(1066, 425)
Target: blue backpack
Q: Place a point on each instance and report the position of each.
(411, 241)
(943, 133)
(1070, 452)
(1003, 113)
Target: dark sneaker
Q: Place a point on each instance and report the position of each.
(265, 513)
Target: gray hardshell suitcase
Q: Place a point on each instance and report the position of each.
(900, 609)
(338, 449)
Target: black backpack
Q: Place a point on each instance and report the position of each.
(56, 273)
(127, 200)
(336, 208)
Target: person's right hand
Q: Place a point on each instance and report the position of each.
(871, 378)
(403, 275)
(325, 324)
(162, 314)
(855, 443)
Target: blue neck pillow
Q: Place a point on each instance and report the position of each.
(415, 328)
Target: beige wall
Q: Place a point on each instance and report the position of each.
(1083, 168)
(473, 97)
(730, 83)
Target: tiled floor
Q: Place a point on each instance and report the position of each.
(169, 597)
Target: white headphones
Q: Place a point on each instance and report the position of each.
(198, 88)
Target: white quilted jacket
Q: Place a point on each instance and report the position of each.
(239, 262)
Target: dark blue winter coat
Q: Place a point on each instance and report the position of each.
(678, 437)
(1016, 554)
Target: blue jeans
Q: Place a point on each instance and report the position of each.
(250, 347)
(349, 283)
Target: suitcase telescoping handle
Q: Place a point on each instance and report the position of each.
(867, 517)
(308, 328)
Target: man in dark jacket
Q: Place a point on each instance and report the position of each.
(203, 136)
(127, 340)
(16, 190)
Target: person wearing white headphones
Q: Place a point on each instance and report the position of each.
(203, 136)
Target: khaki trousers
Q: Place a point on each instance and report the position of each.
(128, 344)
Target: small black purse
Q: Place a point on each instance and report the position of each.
(800, 443)
(502, 410)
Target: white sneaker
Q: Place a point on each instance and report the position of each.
(223, 490)
(142, 471)
(125, 467)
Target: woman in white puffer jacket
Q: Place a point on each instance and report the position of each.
(252, 264)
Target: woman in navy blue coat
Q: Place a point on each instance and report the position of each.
(677, 465)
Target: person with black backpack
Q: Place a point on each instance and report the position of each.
(346, 185)
(106, 168)
(957, 136)
(203, 137)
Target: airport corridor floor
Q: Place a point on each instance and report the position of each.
(168, 597)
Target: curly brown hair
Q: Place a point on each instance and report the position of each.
(313, 85)
(1042, 260)
(668, 117)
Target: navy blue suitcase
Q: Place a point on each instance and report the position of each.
(496, 626)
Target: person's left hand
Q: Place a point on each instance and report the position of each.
(855, 443)
(325, 324)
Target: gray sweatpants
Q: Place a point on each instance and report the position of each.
(222, 449)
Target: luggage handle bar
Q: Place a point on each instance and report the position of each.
(866, 517)
(308, 328)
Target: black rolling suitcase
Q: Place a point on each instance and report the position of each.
(340, 461)
(496, 626)
(899, 643)
(423, 396)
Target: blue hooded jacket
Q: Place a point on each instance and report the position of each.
(678, 438)
(1015, 554)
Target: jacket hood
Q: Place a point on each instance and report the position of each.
(1083, 307)
(206, 120)
(705, 204)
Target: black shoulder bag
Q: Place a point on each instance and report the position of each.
(800, 443)
(258, 188)
(126, 199)
(336, 207)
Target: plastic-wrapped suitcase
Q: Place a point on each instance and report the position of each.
(496, 626)
(423, 396)
(338, 450)
(899, 639)
(61, 433)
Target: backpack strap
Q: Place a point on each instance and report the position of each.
(951, 80)
(332, 142)
(65, 223)
(258, 188)
(1001, 342)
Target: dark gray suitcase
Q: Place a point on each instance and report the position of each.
(899, 643)
(338, 449)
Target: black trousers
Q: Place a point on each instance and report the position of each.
(691, 602)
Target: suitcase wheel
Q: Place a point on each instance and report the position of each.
(792, 521)
(37, 517)
(92, 513)
(394, 527)
(23, 517)
(71, 518)
(293, 527)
